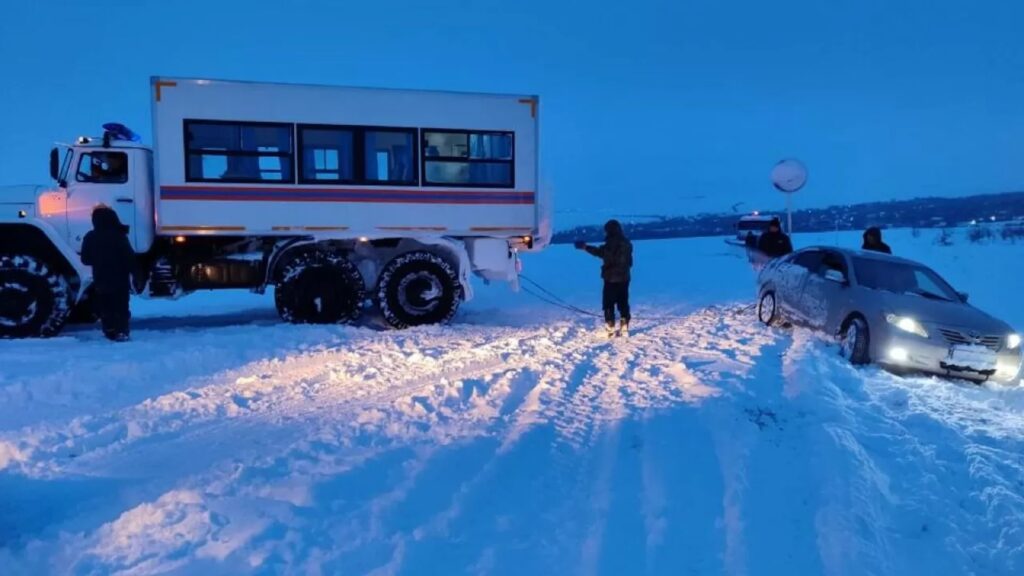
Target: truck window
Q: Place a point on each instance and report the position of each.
(238, 151)
(357, 155)
(468, 158)
(389, 156)
(103, 168)
(326, 155)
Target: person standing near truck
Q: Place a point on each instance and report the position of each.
(107, 250)
(774, 243)
(616, 256)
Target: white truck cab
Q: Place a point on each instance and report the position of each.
(118, 174)
(339, 198)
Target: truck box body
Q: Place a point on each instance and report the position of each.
(237, 158)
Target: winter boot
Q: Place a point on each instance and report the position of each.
(624, 328)
(611, 329)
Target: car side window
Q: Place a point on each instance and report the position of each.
(808, 260)
(833, 261)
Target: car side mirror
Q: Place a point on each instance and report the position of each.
(55, 164)
(835, 276)
(964, 296)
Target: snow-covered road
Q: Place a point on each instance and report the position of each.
(513, 442)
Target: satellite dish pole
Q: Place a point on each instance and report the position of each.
(789, 176)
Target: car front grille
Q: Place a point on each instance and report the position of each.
(958, 337)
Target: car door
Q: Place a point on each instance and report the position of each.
(822, 294)
(99, 177)
(790, 280)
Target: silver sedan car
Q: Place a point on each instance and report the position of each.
(893, 312)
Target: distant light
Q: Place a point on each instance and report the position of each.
(993, 218)
(899, 354)
(757, 213)
(179, 239)
(364, 239)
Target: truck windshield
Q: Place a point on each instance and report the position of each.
(65, 165)
(755, 225)
(902, 278)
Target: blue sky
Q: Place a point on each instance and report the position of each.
(647, 106)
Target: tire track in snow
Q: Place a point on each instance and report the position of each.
(274, 389)
(450, 400)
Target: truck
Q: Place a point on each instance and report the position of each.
(754, 224)
(338, 198)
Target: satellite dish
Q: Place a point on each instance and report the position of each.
(789, 176)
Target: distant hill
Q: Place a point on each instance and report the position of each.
(917, 213)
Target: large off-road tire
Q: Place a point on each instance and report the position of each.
(855, 340)
(35, 299)
(418, 288)
(319, 288)
(768, 309)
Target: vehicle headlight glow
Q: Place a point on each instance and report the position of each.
(1013, 341)
(907, 324)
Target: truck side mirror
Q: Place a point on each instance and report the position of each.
(964, 296)
(55, 164)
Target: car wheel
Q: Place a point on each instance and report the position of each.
(854, 340)
(768, 309)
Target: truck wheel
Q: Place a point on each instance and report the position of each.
(418, 288)
(34, 300)
(319, 288)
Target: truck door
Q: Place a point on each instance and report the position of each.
(101, 176)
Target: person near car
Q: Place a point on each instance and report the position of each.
(616, 256)
(873, 241)
(774, 243)
(107, 250)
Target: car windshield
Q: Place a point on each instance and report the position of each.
(902, 278)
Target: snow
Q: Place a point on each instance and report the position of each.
(516, 440)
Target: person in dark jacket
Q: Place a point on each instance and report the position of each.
(774, 243)
(873, 241)
(616, 256)
(106, 248)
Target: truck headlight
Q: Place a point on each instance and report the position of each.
(1013, 341)
(907, 324)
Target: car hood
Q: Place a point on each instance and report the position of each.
(953, 314)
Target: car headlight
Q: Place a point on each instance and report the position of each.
(907, 324)
(1013, 341)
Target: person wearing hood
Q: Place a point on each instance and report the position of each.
(873, 241)
(107, 250)
(616, 256)
(774, 243)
